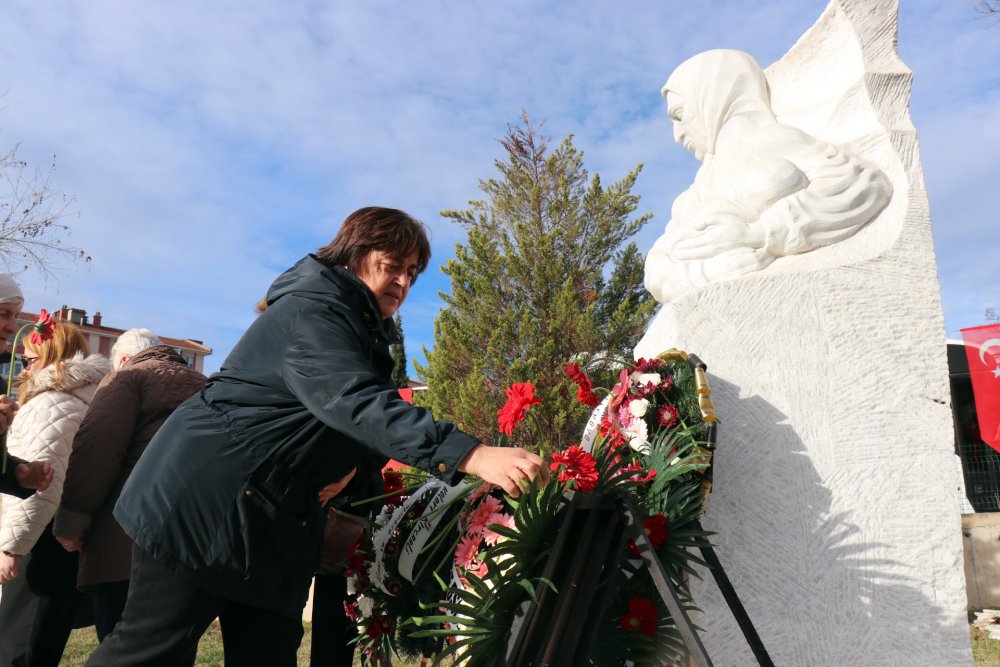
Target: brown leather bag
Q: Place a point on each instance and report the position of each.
(341, 532)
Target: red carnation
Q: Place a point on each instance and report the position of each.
(587, 397)
(392, 483)
(585, 386)
(645, 365)
(520, 397)
(577, 376)
(642, 616)
(43, 328)
(578, 465)
(636, 473)
(612, 435)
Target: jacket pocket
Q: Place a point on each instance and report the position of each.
(274, 538)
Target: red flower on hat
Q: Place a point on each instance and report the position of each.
(642, 617)
(43, 329)
(520, 397)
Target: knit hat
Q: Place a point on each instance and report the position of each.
(9, 290)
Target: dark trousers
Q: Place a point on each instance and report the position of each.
(40, 608)
(109, 603)
(332, 630)
(166, 614)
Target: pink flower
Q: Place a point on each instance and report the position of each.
(624, 416)
(481, 515)
(468, 547)
(505, 520)
(479, 569)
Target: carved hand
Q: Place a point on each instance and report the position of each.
(717, 232)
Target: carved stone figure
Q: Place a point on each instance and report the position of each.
(765, 189)
(834, 507)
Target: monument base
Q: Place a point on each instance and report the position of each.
(834, 500)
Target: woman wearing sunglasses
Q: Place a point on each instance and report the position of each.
(57, 385)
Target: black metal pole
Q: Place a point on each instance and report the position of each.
(733, 600)
(664, 586)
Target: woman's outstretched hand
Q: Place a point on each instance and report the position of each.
(511, 468)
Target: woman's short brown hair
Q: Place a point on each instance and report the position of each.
(389, 230)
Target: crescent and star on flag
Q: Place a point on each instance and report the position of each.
(983, 348)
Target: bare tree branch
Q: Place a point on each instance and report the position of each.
(31, 214)
(988, 7)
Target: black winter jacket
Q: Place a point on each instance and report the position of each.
(226, 491)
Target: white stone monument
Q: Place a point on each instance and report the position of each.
(799, 266)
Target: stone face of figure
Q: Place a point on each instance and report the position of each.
(765, 190)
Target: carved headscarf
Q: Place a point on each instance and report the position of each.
(718, 85)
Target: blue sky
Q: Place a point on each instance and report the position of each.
(209, 145)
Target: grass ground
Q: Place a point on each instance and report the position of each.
(83, 642)
(985, 651)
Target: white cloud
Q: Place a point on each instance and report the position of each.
(209, 145)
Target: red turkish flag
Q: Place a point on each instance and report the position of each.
(982, 348)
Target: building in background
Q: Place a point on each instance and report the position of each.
(101, 337)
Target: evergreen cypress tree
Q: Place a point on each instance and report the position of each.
(529, 292)
(399, 375)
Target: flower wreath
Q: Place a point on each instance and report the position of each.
(445, 572)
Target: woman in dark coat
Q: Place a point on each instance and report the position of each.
(223, 506)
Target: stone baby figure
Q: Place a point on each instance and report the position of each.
(764, 190)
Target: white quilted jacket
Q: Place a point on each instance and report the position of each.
(43, 430)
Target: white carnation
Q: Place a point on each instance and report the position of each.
(366, 606)
(638, 407)
(642, 379)
(638, 436)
